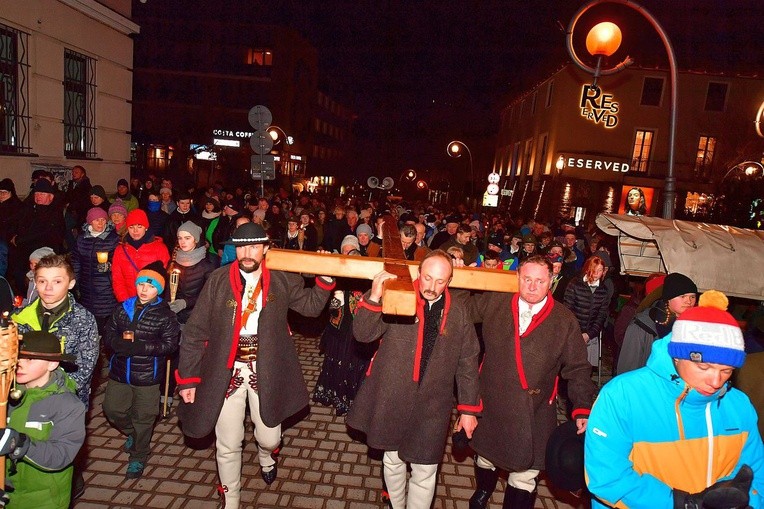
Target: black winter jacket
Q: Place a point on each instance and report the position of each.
(590, 308)
(157, 333)
(95, 287)
(190, 285)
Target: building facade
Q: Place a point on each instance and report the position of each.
(198, 75)
(66, 73)
(568, 149)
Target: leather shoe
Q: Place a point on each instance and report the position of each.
(269, 476)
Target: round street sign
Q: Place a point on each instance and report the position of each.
(261, 142)
(260, 117)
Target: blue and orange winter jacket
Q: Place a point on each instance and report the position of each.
(650, 432)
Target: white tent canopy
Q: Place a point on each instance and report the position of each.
(715, 257)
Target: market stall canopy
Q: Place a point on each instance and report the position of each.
(715, 257)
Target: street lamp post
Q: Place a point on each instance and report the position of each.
(601, 46)
(454, 149)
(286, 140)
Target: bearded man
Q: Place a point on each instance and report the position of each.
(236, 348)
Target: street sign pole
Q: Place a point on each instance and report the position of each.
(261, 142)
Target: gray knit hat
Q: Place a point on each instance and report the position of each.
(40, 253)
(350, 240)
(364, 228)
(192, 228)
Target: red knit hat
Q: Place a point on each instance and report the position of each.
(708, 334)
(137, 216)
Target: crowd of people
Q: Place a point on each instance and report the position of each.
(169, 285)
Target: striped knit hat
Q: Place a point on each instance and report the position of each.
(708, 333)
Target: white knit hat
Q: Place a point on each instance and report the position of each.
(708, 334)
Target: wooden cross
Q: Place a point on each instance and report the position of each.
(398, 297)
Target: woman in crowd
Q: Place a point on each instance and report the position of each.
(678, 295)
(91, 259)
(118, 215)
(589, 299)
(137, 250)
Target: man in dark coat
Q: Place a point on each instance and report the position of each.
(236, 348)
(184, 212)
(404, 405)
(529, 339)
(35, 225)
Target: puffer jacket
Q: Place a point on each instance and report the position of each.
(156, 335)
(128, 261)
(590, 308)
(95, 287)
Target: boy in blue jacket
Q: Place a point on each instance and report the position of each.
(142, 332)
(674, 434)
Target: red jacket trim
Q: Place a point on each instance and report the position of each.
(554, 390)
(235, 280)
(471, 408)
(420, 303)
(324, 285)
(581, 413)
(535, 321)
(374, 308)
(190, 380)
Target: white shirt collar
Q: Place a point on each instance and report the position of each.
(535, 308)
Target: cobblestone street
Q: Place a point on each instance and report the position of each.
(320, 466)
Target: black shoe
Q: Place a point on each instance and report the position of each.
(486, 483)
(269, 476)
(515, 498)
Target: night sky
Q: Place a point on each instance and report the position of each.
(421, 73)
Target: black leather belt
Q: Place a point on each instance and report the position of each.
(247, 349)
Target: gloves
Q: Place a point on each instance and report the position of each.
(125, 347)
(460, 440)
(178, 305)
(13, 444)
(729, 494)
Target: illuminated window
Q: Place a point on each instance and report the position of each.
(14, 96)
(640, 155)
(527, 156)
(79, 105)
(543, 147)
(705, 156)
(260, 56)
(716, 96)
(652, 90)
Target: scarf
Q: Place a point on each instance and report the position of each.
(190, 258)
(210, 215)
(535, 321)
(138, 243)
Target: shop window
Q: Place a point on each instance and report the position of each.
(716, 96)
(705, 155)
(79, 105)
(14, 92)
(640, 154)
(652, 90)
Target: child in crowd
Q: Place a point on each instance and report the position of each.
(142, 332)
(46, 427)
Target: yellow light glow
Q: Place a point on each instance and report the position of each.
(603, 39)
(455, 148)
(274, 134)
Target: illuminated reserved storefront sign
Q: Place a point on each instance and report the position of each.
(586, 162)
(599, 107)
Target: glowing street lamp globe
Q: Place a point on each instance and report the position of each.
(603, 39)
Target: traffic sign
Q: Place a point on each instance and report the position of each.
(263, 167)
(260, 117)
(261, 142)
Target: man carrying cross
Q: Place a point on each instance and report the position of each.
(404, 405)
(236, 349)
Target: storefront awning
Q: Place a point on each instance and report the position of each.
(717, 257)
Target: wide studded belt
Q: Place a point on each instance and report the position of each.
(247, 349)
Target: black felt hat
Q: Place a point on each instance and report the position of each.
(43, 345)
(247, 234)
(565, 457)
